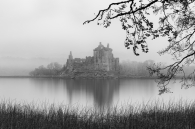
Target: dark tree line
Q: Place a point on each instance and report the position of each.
(176, 21)
(53, 68)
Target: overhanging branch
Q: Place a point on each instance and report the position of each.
(101, 12)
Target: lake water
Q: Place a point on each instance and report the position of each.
(88, 93)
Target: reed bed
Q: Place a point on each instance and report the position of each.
(157, 115)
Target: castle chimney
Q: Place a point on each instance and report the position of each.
(108, 45)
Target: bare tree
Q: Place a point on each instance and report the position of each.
(53, 68)
(176, 22)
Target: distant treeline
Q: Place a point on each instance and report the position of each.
(133, 68)
(53, 68)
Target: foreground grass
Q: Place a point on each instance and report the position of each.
(174, 116)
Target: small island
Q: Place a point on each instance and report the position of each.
(102, 65)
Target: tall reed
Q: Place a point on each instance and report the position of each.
(156, 115)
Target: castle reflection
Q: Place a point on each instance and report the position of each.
(98, 93)
(102, 91)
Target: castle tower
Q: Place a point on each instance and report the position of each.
(69, 63)
(108, 45)
(70, 56)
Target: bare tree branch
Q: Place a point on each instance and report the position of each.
(101, 11)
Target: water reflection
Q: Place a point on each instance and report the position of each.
(102, 91)
(99, 94)
(80, 92)
(137, 90)
(49, 84)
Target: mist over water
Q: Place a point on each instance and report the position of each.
(97, 94)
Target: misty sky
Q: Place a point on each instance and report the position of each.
(37, 32)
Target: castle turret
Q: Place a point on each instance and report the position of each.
(69, 63)
(108, 45)
(70, 56)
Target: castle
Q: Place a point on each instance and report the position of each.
(102, 60)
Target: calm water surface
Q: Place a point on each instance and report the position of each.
(88, 93)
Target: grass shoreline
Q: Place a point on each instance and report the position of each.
(178, 115)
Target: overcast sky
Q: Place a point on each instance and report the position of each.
(36, 32)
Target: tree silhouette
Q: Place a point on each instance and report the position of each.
(53, 68)
(176, 22)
